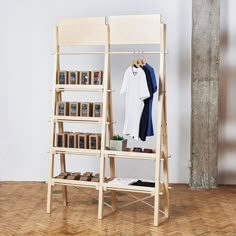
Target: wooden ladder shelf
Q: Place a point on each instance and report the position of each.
(121, 30)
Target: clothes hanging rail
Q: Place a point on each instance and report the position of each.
(143, 52)
(78, 53)
(115, 52)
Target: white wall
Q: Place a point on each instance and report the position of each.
(227, 106)
(26, 77)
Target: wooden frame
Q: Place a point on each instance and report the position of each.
(120, 30)
(123, 31)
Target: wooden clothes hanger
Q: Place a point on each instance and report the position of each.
(143, 59)
(135, 62)
(139, 61)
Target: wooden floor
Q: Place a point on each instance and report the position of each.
(193, 212)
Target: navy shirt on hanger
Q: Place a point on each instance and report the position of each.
(155, 82)
(143, 126)
(146, 126)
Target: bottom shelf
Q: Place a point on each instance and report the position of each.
(125, 187)
(78, 183)
(109, 185)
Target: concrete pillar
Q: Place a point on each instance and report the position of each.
(205, 82)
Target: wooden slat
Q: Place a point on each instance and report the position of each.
(56, 67)
(79, 87)
(78, 119)
(134, 155)
(78, 183)
(103, 126)
(110, 120)
(135, 29)
(57, 150)
(132, 52)
(62, 155)
(80, 53)
(159, 134)
(81, 31)
(165, 185)
(128, 188)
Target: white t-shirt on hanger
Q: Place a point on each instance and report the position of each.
(135, 86)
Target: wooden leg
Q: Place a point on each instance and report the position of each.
(63, 169)
(112, 174)
(158, 160)
(62, 156)
(157, 196)
(101, 192)
(110, 128)
(166, 194)
(165, 163)
(49, 196)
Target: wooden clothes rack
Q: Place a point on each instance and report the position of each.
(120, 30)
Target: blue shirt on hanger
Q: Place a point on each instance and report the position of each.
(145, 117)
(155, 85)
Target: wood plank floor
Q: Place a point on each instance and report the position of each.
(193, 212)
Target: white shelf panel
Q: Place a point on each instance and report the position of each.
(128, 188)
(81, 119)
(76, 151)
(78, 183)
(131, 155)
(79, 87)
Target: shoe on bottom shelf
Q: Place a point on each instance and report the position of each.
(87, 176)
(95, 178)
(74, 176)
(62, 175)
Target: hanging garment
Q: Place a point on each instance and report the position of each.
(135, 87)
(143, 125)
(146, 126)
(155, 85)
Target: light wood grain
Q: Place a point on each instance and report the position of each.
(121, 30)
(103, 128)
(134, 155)
(56, 67)
(78, 119)
(86, 88)
(81, 31)
(74, 183)
(76, 151)
(209, 212)
(135, 29)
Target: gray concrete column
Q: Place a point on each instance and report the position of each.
(205, 82)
